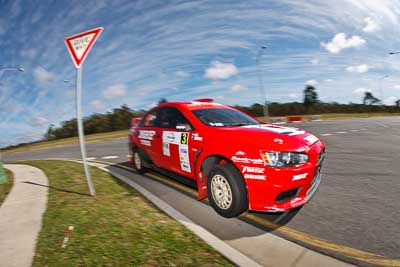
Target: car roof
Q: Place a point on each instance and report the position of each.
(193, 105)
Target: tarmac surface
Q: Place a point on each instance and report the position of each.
(356, 205)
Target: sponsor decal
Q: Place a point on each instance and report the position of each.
(146, 134)
(255, 177)
(196, 137)
(253, 169)
(217, 124)
(166, 151)
(145, 142)
(198, 103)
(311, 139)
(170, 137)
(299, 176)
(240, 153)
(183, 150)
(276, 129)
(278, 141)
(247, 160)
(184, 157)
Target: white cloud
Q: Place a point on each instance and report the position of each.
(360, 91)
(360, 68)
(220, 70)
(339, 42)
(182, 74)
(293, 95)
(390, 100)
(396, 86)
(97, 105)
(42, 76)
(370, 25)
(38, 121)
(115, 91)
(328, 80)
(311, 82)
(238, 88)
(314, 61)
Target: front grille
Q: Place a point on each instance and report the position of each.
(286, 195)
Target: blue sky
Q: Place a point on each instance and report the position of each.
(183, 50)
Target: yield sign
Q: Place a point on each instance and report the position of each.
(80, 44)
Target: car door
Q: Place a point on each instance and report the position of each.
(149, 136)
(175, 143)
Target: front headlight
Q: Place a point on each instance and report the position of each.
(283, 159)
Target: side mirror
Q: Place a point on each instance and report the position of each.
(183, 127)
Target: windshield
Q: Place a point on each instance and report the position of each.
(220, 117)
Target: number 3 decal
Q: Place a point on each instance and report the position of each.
(184, 138)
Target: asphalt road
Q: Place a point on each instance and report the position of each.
(357, 204)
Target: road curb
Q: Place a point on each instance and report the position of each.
(226, 250)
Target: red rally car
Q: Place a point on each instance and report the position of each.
(237, 161)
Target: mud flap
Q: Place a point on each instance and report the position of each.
(201, 186)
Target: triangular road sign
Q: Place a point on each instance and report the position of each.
(80, 44)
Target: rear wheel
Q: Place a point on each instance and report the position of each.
(227, 191)
(138, 162)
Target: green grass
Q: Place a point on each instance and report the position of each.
(67, 141)
(6, 188)
(118, 227)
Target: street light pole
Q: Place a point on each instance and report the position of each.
(3, 178)
(261, 81)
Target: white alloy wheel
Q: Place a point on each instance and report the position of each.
(221, 191)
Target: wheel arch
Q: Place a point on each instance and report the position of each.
(215, 159)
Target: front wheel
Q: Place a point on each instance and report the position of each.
(138, 162)
(227, 191)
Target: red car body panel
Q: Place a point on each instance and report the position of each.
(240, 145)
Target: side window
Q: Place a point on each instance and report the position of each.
(150, 119)
(170, 117)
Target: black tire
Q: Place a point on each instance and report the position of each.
(227, 176)
(138, 161)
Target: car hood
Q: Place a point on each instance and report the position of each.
(269, 136)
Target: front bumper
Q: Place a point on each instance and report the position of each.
(281, 191)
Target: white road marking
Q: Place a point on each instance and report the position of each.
(341, 132)
(363, 129)
(90, 158)
(354, 130)
(326, 134)
(110, 157)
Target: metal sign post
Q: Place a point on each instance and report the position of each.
(80, 129)
(79, 46)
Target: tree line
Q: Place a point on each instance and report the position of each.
(117, 119)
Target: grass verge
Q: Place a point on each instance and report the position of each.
(67, 141)
(6, 188)
(118, 227)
